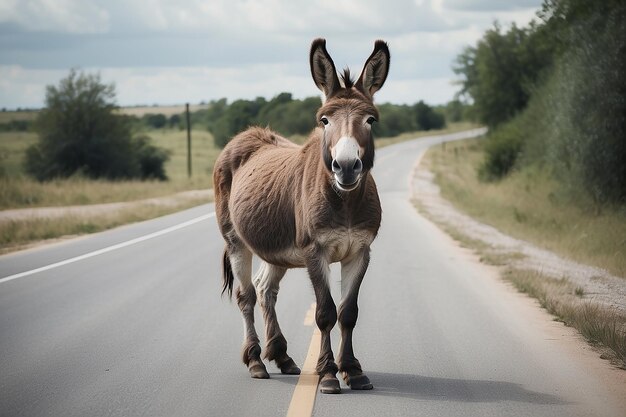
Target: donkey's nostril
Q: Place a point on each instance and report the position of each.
(358, 166)
(336, 167)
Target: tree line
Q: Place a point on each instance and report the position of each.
(554, 96)
(289, 116)
(82, 131)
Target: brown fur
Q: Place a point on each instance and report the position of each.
(281, 202)
(282, 196)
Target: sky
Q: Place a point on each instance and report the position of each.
(176, 51)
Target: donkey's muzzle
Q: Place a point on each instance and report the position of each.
(347, 172)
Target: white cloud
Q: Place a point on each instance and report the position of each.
(25, 88)
(20, 87)
(194, 84)
(170, 51)
(71, 16)
(490, 5)
(228, 17)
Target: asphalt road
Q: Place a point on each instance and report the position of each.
(141, 329)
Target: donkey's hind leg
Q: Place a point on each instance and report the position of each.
(267, 281)
(241, 262)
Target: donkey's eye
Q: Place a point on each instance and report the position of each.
(370, 120)
(324, 120)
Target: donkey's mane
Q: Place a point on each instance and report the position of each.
(347, 79)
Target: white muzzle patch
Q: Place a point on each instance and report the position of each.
(346, 149)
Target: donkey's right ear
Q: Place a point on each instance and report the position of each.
(323, 68)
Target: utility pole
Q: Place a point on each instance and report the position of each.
(188, 141)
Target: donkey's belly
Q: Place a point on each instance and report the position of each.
(337, 244)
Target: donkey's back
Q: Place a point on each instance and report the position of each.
(239, 150)
(235, 155)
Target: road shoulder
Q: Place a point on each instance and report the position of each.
(473, 239)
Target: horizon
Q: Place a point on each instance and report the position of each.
(188, 52)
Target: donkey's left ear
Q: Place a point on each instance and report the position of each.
(375, 70)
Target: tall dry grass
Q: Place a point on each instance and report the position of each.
(528, 204)
(599, 324)
(19, 191)
(18, 234)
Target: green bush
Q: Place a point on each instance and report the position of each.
(502, 149)
(80, 132)
(565, 113)
(578, 116)
(155, 121)
(151, 158)
(427, 118)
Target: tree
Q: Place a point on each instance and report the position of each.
(80, 132)
(427, 118)
(585, 107)
(500, 72)
(156, 121)
(240, 115)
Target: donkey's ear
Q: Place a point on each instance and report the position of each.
(375, 70)
(323, 69)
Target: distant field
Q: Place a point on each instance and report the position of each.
(166, 110)
(7, 116)
(12, 149)
(17, 190)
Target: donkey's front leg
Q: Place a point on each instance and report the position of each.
(352, 273)
(325, 317)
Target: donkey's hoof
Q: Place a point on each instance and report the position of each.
(358, 382)
(329, 385)
(258, 371)
(290, 368)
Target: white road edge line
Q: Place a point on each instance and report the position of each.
(109, 248)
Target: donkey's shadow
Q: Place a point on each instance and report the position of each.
(449, 389)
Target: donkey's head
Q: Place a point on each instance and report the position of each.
(348, 112)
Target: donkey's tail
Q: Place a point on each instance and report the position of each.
(227, 275)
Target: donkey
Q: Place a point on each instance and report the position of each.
(305, 206)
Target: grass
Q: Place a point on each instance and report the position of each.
(19, 191)
(600, 325)
(138, 111)
(12, 149)
(7, 116)
(524, 205)
(528, 204)
(18, 234)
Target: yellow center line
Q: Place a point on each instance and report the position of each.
(304, 394)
